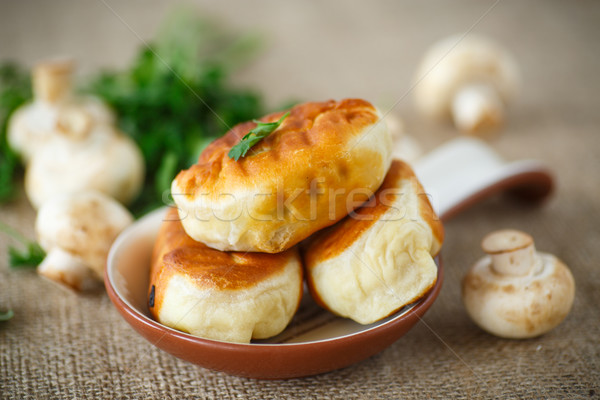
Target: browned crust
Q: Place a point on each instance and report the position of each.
(310, 134)
(176, 253)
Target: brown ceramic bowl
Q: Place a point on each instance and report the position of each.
(314, 342)
(458, 174)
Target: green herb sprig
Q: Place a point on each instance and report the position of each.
(262, 130)
(32, 254)
(177, 96)
(15, 90)
(173, 101)
(6, 315)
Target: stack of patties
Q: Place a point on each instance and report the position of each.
(225, 265)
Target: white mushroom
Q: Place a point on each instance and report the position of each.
(469, 78)
(85, 156)
(516, 292)
(405, 147)
(32, 125)
(77, 231)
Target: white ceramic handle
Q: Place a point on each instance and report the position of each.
(466, 170)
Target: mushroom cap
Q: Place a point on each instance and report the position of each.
(519, 306)
(83, 224)
(33, 125)
(505, 240)
(457, 61)
(104, 160)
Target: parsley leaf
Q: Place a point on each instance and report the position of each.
(15, 89)
(31, 256)
(262, 130)
(177, 97)
(6, 315)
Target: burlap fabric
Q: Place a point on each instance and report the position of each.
(60, 345)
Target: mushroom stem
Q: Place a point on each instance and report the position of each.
(52, 80)
(62, 267)
(477, 107)
(512, 252)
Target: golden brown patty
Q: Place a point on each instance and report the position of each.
(219, 295)
(292, 183)
(379, 258)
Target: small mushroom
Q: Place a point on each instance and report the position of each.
(514, 291)
(32, 125)
(85, 157)
(469, 78)
(76, 231)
